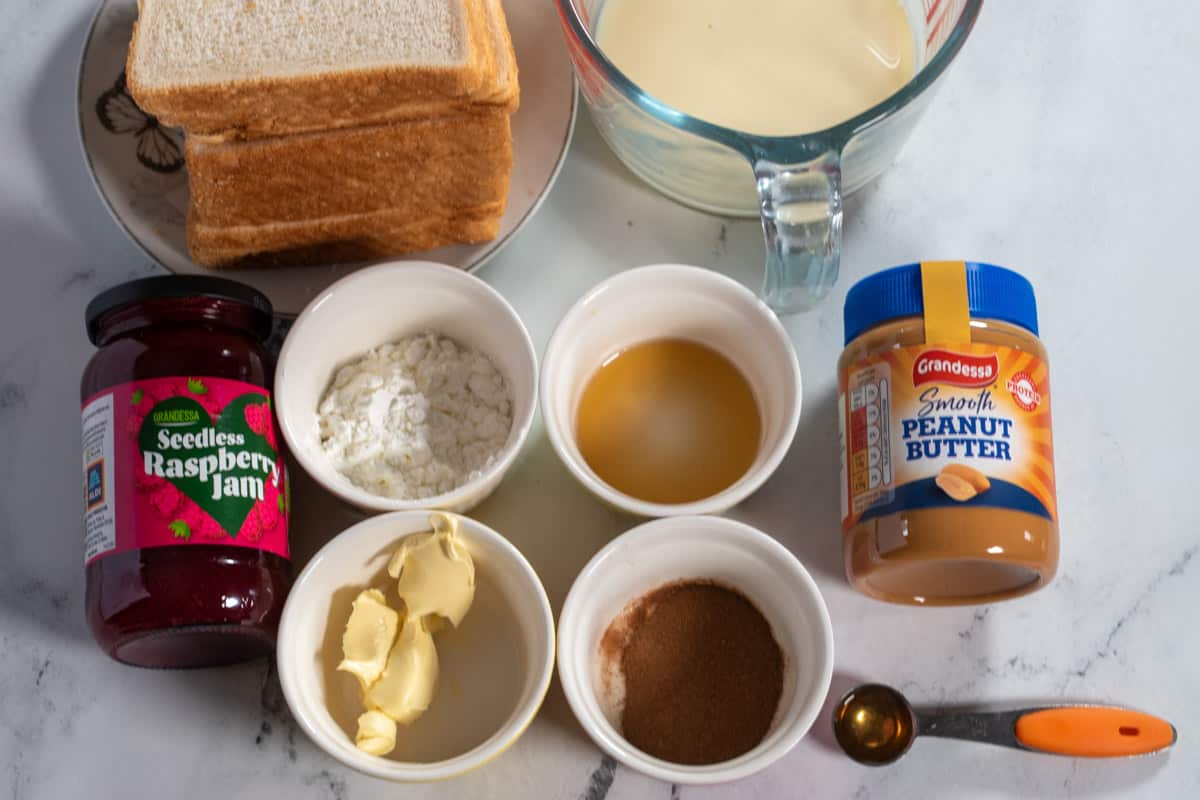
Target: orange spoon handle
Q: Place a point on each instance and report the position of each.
(1093, 731)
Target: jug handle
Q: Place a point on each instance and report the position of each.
(801, 207)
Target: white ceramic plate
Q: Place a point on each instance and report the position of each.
(138, 169)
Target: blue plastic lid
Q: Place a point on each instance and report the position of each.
(992, 293)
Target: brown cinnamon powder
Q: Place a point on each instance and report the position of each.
(703, 673)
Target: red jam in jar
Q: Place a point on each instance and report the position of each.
(186, 500)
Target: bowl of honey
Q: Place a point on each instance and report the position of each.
(670, 390)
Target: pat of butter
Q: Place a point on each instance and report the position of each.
(435, 572)
(406, 687)
(368, 637)
(397, 671)
(376, 733)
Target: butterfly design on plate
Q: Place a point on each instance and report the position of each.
(157, 147)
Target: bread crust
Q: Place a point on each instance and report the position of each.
(448, 162)
(501, 104)
(354, 238)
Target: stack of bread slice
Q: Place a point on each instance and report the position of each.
(320, 130)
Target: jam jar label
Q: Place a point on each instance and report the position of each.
(180, 462)
(946, 427)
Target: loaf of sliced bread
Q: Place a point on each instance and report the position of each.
(234, 68)
(458, 161)
(332, 130)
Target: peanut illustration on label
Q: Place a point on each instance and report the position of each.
(962, 482)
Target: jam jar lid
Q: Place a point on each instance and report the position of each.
(992, 293)
(179, 286)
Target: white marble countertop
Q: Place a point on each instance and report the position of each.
(1063, 145)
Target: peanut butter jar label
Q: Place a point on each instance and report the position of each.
(946, 426)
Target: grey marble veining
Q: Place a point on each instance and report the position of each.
(1063, 144)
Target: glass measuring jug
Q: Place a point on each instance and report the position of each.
(794, 183)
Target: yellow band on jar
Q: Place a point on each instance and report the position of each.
(947, 311)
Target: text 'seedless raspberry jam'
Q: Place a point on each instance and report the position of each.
(186, 500)
(947, 455)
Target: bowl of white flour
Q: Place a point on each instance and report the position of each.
(407, 385)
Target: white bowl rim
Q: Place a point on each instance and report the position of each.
(725, 499)
(357, 496)
(414, 772)
(610, 740)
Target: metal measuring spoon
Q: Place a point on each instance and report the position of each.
(875, 725)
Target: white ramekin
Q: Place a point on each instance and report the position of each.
(730, 553)
(382, 304)
(495, 668)
(672, 301)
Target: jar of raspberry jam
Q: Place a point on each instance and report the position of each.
(186, 500)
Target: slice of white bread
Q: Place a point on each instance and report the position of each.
(419, 165)
(265, 67)
(501, 93)
(355, 237)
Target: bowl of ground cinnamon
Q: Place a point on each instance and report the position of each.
(695, 649)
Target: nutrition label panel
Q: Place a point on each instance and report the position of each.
(100, 533)
(867, 453)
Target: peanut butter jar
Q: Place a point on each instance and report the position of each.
(947, 456)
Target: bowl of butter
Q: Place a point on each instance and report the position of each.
(416, 646)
